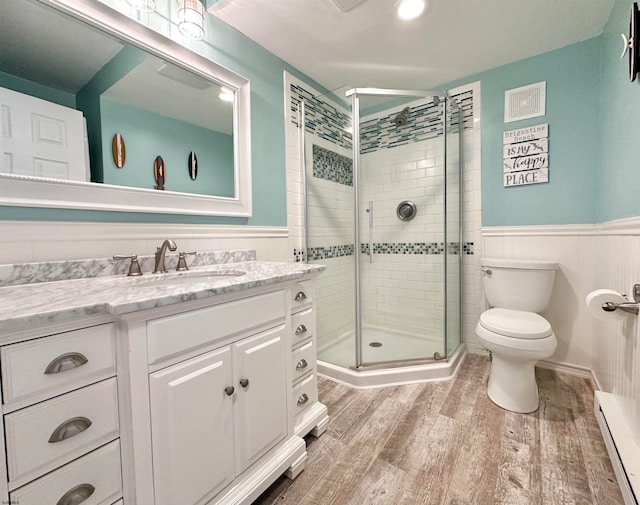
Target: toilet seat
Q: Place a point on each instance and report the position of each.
(515, 324)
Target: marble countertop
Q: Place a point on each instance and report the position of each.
(29, 305)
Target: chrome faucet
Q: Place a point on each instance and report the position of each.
(160, 252)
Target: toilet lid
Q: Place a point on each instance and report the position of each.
(515, 323)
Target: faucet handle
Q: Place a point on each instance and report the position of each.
(182, 261)
(134, 268)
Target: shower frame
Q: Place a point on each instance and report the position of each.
(355, 94)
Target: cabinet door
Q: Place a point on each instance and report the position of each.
(261, 405)
(192, 429)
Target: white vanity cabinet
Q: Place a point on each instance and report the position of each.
(214, 415)
(203, 401)
(310, 416)
(217, 413)
(61, 418)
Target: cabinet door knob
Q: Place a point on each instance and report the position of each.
(302, 364)
(300, 296)
(301, 329)
(303, 399)
(229, 390)
(76, 495)
(70, 428)
(244, 382)
(66, 362)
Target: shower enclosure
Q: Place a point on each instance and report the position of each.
(383, 211)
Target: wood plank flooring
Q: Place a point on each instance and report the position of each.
(446, 443)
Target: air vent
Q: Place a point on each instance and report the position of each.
(525, 102)
(346, 5)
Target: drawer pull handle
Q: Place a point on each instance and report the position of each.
(76, 495)
(303, 399)
(66, 362)
(300, 296)
(244, 382)
(69, 428)
(229, 390)
(302, 364)
(301, 329)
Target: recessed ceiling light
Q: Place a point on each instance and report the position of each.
(226, 95)
(410, 9)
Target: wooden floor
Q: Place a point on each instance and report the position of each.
(446, 443)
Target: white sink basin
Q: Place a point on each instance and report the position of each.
(189, 278)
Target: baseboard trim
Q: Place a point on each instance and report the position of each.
(570, 369)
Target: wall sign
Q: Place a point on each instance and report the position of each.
(525, 153)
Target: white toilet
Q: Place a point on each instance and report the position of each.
(513, 331)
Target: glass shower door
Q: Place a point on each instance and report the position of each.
(402, 253)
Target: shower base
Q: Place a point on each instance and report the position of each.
(392, 367)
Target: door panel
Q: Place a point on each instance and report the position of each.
(40, 138)
(192, 438)
(261, 406)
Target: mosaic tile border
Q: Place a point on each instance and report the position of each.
(335, 251)
(424, 123)
(327, 122)
(332, 166)
(417, 248)
(322, 118)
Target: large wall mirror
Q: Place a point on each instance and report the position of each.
(96, 107)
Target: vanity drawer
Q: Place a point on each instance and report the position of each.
(98, 471)
(171, 335)
(301, 295)
(80, 421)
(305, 393)
(49, 366)
(303, 360)
(302, 325)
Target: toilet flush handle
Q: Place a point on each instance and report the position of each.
(486, 270)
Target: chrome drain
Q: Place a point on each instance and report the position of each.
(375, 344)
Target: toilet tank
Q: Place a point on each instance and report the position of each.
(518, 284)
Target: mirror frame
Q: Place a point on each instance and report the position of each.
(26, 191)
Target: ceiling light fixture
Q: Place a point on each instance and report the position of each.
(410, 9)
(143, 5)
(191, 18)
(226, 95)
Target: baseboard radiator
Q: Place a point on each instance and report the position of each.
(624, 452)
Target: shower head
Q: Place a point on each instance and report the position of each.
(402, 118)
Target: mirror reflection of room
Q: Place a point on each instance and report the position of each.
(92, 108)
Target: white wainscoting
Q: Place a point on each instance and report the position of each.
(596, 256)
(35, 241)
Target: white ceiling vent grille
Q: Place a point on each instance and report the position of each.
(346, 5)
(525, 102)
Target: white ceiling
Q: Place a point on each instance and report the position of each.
(369, 47)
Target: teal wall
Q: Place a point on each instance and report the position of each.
(618, 174)
(572, 112)
(38, 90)
(148, 135)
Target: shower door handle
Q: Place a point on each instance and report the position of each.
(370, 212)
